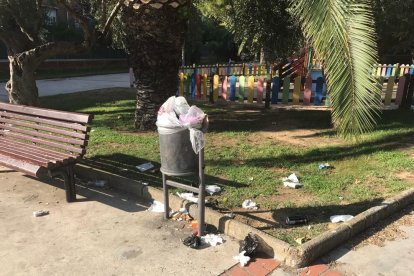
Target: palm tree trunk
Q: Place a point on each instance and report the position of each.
(155, 34)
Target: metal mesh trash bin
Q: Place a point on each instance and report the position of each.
(177, 155)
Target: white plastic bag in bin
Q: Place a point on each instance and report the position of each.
(175, 115)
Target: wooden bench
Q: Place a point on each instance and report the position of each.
(38, 141)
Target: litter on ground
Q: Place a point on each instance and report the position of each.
(40, 213)
(324, 166)
(340, 218)
(212, 239)
(292, 181)
(243, 260)
(181, 215)
(248, 204)
(188, 196)
(212, 189)
(156, 207)
(145, 167)
(192, 241)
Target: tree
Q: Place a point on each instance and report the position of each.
(23, 31)
(395, 30)
(343, 34)
(155, 32)
(263, 26)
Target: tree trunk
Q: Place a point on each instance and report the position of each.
(22, 87)
(262, 59)
(155, 34)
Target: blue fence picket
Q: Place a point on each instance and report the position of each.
(233, 81)
(318, 91)
(275, 89)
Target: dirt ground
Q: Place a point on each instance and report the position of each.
(103, 233)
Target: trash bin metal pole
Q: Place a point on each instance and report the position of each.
(202, 194)
(166, 199)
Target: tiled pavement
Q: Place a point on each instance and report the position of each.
(265, 266)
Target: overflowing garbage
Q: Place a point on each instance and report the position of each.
(175, 115)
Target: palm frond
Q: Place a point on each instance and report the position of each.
(343, 34)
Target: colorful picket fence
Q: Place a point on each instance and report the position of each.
(236, 83)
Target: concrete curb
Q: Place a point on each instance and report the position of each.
(292, 256)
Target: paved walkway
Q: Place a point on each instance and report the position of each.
(76, 84)
(103, 233)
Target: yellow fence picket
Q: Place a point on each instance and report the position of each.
(216, 85)
(250, 86)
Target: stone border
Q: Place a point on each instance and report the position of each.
(300, 256)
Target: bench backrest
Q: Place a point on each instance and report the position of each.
(50, 129)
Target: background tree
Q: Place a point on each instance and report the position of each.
(207, 42)
(155, 32)
(395, 27)
(258, 26)
(23, 29)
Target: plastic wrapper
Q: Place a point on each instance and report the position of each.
(176, 115)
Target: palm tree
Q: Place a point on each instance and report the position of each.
(154, 37)
(343, 34)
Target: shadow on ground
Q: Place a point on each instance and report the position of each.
(125, 165)
(388, 143)
(104, 195)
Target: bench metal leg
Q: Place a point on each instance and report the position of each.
(72, 183)
(69, 180)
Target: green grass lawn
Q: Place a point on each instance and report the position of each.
(250, 149)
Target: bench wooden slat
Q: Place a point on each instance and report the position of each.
(43, 156)
(44, 161)
(19, 165)
(26, 158)
(49, 113)
(38, 149)
(34, 125)
(44, 142)
(54, 138)
(67, 125)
